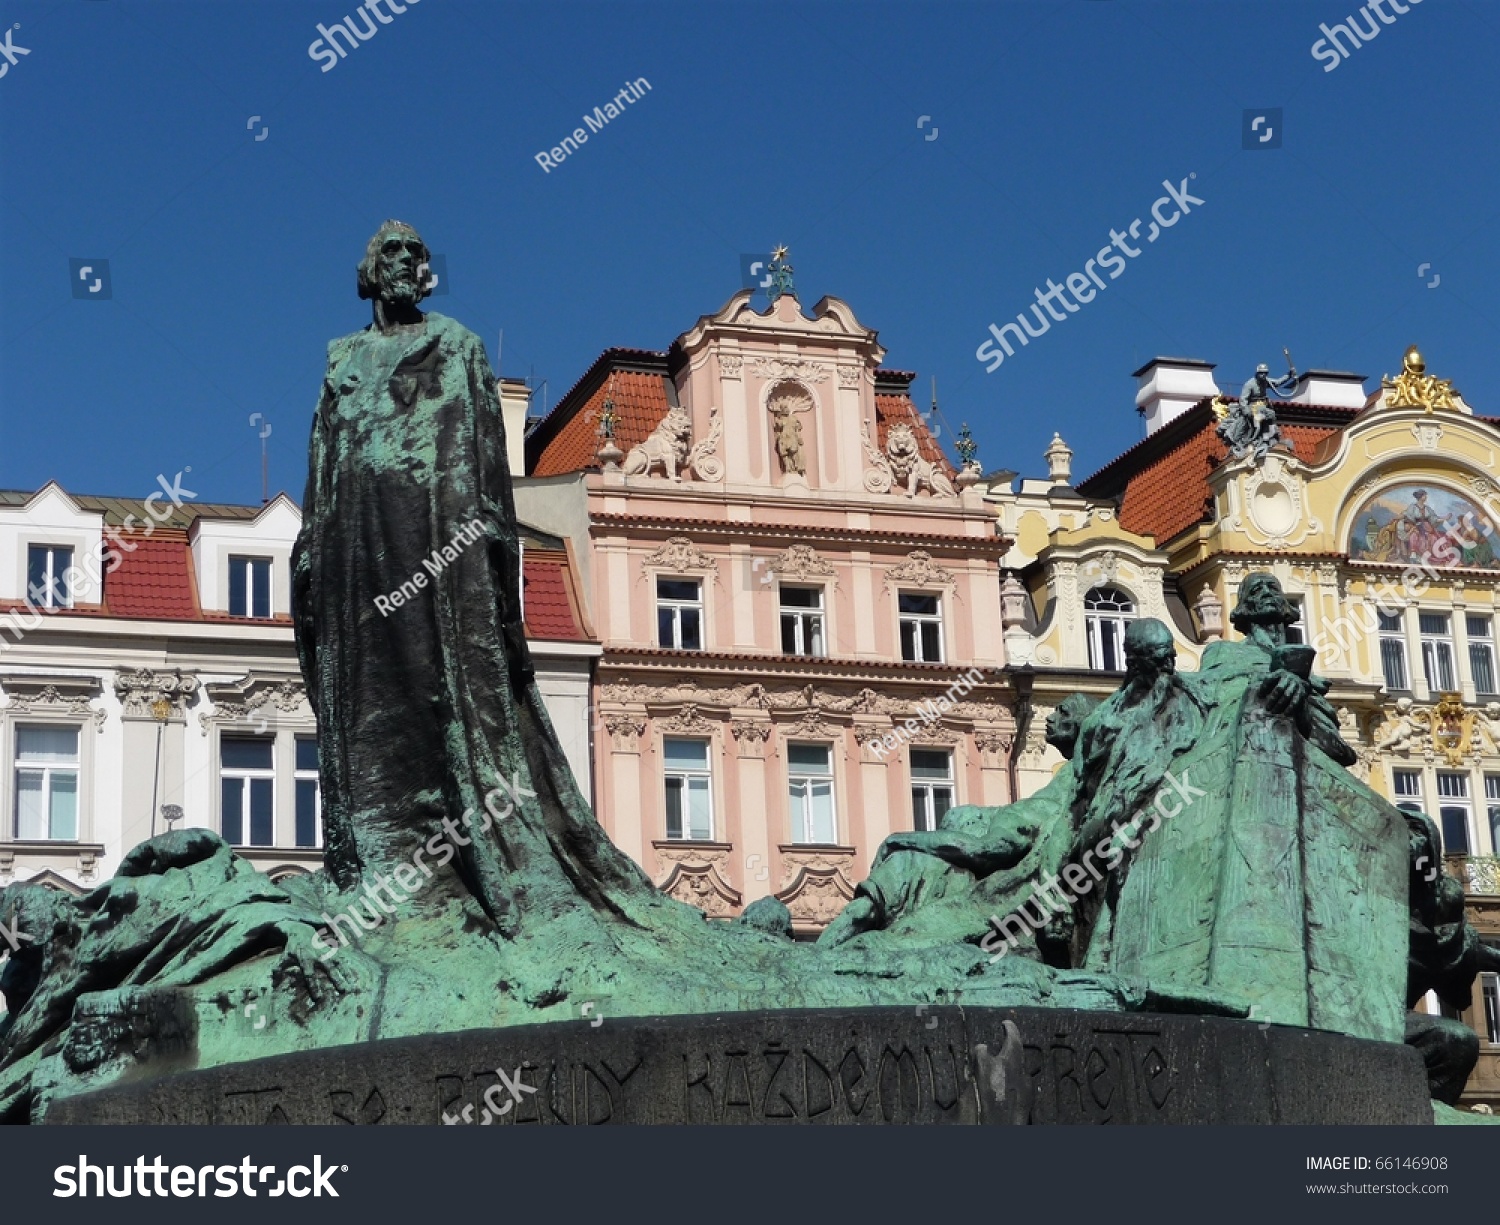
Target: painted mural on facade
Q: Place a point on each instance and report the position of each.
(1424, 523)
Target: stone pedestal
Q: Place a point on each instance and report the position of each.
(875, 1065)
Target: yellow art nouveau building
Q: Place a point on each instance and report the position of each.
(1378, 514)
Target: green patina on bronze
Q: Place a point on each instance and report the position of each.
(476, 889)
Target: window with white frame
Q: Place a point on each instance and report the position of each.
(1392, 651)
(47, 770)
(810, 791)
(247, 790)
(921, 619)
(1407, 788)
(679, 613)
(802, 621)
(931, 786)
(1489, 989)
(1482, 652)
(1106, 613)
(1297, 630)
(309, 798)
(689, 790)
(1437, 651)
(47, 567)
(1492, 810)
(249, 586)
(1454, 808)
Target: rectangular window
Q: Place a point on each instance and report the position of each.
(1407, 785)
(1393, 651)
(249, 586)
(1482, 653)
(1453, 812)
(1492, 806)
(1297, 630)
(47, 784)
(1489, 987)
(802, 621)
(921, 628)
(247, 790)
(1437, 651)
(689, 790)
(810, 789)
(679, 614)
(931, 786)
(47, 569)
(309, 798)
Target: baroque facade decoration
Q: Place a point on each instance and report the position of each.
(765, 632)
(1379, 521)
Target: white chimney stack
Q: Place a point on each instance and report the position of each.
(1169, 386)
(515, 402)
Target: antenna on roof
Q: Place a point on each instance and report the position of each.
(265, 476)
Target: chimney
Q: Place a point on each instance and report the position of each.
(1330, 389)
(1169, 386)
(515, 400)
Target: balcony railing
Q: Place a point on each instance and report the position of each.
(1479, 873)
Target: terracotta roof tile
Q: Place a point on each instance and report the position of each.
(898, 409)
(640, 404)
(551, 611)
(1170, 493)
(154, 580)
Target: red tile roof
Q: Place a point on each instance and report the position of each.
(640, 399)
(636, 380)
(1162, 482)
(898, 409)
(551, 603)
(154, 580)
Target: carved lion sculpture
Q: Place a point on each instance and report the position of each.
(908, 466)
(667, 446)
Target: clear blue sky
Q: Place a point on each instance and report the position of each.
(123, 136)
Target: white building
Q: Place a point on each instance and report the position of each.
(149, 680)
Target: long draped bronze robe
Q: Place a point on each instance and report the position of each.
(426, 705)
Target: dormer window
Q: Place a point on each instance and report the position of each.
(250, 587)
(47, 569)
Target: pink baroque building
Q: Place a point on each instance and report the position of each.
(797, 597)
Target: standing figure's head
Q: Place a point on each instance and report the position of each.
(1262, 602)
(1149, 650)
(394, 269)
(1064, 723)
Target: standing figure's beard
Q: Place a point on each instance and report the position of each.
(400, 287)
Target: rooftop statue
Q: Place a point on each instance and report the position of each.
(1248, 426)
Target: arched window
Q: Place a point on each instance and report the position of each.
(1106, 611)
